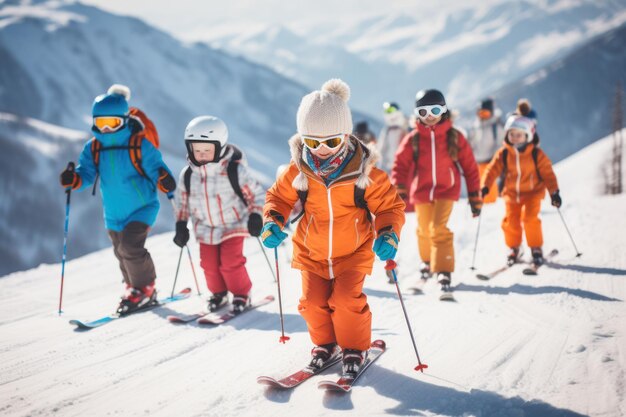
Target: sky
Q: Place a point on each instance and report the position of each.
(185, 17)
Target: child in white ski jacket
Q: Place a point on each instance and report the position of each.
(224, 203)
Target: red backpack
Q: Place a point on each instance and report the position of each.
(142, 128)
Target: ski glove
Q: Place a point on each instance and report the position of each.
(255, 224)
(556, 199)
(272, 235)
(476, 203)
(484, 191)
(386, 245)
(166, 182)
(69, 178)
(182, 233)
(402, 192)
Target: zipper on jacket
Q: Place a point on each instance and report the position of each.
(519, 173)
(434, 163)
(356, 229)
(330, 235)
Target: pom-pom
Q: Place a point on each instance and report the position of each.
(120, 89)
(337, 87)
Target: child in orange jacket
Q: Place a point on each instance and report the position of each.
(527, 173)
(332, 244)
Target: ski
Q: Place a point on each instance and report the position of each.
(345, 383)
(297, 378)
(532, 269)
(188, 318)
(419, 287)
(492, 274)
(87, 325)
(215, 319)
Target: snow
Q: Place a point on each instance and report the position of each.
(551, 345)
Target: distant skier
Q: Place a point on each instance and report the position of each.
(334, 174)
(390, 136)
(484, 136)
(527, 173)
(221, 215)
(364, 134)
(429, 157)
(130, 169)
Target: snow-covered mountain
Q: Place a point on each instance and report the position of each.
(573, 96)
(466, 51)
(549, 346)
(56, 56)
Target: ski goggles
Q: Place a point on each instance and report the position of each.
(330, 142)
(390, 108)
(484, 114)
(435, 110)
(108, 123)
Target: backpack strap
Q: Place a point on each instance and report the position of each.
(359, 201)
(535, 153)
(187, 179)
(233, 174)
(134, 149)
(302, 196)
(96, 146)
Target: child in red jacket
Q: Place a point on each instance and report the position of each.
(431, 156)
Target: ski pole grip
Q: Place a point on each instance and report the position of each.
(391, 264)
(71, 166)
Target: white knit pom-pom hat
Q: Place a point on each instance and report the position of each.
(325, 112)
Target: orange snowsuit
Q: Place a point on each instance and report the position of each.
(492, 196)
(332, 244)
(525, 184)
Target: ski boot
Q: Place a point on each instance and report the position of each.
(425, 273)
(136, 298)
(322, 355)
(240, 303)
(537, 254)
(513, 256)
(444, 279)
(352, 360)
(217, 301)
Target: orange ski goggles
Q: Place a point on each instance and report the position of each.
(330, 142)
(108, 123)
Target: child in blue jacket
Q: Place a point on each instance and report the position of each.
(130, 169)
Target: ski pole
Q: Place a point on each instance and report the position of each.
(170, 197)
(177, 268)
(391, 266)
(68, 191)
(193, 270)
(476, 243)
(283, 338)
(578, 254)
(266, 258)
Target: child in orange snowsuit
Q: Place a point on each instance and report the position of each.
(527, 173)
(332, 244)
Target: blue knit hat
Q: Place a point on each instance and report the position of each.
(114, 103)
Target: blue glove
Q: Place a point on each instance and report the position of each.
(272, 235)
(386, 245)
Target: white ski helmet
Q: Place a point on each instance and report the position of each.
(521, 123)
(207, 129)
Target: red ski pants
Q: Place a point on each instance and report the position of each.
(225, 267)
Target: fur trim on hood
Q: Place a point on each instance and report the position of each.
(360, 166)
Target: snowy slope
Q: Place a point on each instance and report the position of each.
(552, 345)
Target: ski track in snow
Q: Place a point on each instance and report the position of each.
(550, 345)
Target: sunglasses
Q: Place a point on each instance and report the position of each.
(108, 123)
(435, 110)
(314, 143)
